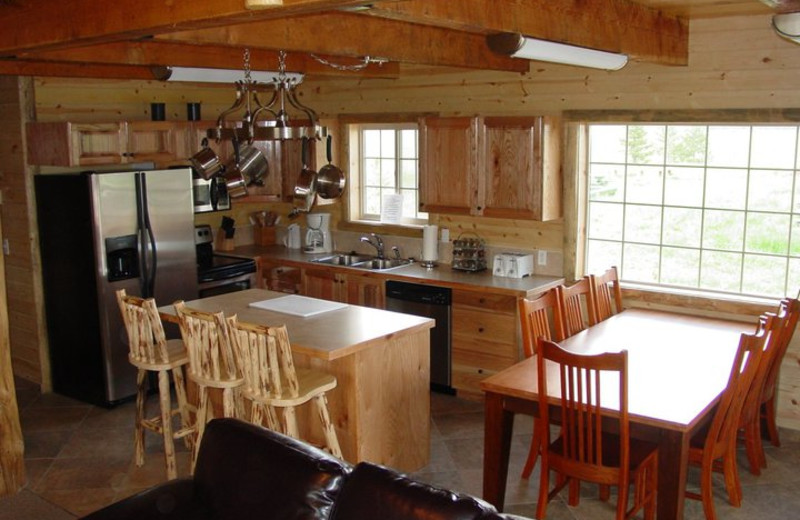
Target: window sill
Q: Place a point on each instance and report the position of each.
(368, 226)
(684, 300)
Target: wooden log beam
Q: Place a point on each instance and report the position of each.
(155, 53)
(12, 462)
(48, 24)
(643, 33)
(347, 34)
(13, 67)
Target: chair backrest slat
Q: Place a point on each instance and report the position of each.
(540, 317)
(146, 339)
(607, 294)
(205, 335)
(790, 308)
(577, 306)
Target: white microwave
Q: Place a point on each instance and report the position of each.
(210, 195)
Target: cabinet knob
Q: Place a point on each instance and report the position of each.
(479, 208)
(480, 329)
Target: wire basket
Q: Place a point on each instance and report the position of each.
(469, 253)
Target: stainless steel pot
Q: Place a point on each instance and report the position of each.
(252, 164)
(330, 178)
(206, 162)
(305, 189)
(235, 180)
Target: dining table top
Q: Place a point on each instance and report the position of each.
(330, 335)
(678, 364)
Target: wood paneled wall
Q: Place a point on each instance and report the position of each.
(734, 63)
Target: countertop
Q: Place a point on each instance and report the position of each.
(442, 275)
(328, 336)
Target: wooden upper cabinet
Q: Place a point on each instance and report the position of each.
(521, 168)
(155, 141)
(503, 167)
(448, 178)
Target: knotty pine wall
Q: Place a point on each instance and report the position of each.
(734, 63)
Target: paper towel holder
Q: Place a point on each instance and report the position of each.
(429, 244)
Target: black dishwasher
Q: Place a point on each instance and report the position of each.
(430, 302)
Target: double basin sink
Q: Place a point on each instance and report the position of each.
(366, 262)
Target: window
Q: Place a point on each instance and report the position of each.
(710, 207)
(388, 179)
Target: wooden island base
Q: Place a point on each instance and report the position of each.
(381, 360)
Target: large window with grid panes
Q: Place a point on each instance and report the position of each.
(707, 207)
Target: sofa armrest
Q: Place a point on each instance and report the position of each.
(172, 500)
(373, 491)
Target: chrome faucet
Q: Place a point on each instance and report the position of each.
(396, 251)
(378, 244)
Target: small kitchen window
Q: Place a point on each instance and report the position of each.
(384, 177)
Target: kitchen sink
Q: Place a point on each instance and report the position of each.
(366, 262)
(344, 259)
(381, 264)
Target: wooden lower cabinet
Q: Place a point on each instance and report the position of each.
(485, 338)
(279, 277)
(328, 284)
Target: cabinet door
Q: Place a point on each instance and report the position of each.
(75, 144)
(155, 141)
(520, 175)
(364, 290)
(282, 278)
(448, 177)
(321, 283)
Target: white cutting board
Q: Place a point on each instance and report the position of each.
(296, 305)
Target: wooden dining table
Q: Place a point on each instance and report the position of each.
(678, 366)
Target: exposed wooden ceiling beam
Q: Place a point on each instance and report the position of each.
(348, 34)
(643, 33)
(208, 56)
(48, 24)
(14, 67)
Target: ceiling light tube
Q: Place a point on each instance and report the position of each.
(518, 46)
(203, 75)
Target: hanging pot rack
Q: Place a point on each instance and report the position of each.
(283, 95)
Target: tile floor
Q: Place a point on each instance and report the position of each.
(79, 457)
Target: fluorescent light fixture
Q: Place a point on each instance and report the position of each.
(202, 75)
(518, 46)
(787, 25)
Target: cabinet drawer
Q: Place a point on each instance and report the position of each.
(484, 326)
(496, 303)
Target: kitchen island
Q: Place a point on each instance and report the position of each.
(381, 359)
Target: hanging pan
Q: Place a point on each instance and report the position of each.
(330, 178)
(305, 190)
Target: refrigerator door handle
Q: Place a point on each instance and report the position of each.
(148, 255)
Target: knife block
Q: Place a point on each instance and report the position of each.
(264, 235)
(221, 243)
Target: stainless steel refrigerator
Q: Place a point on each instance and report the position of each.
(100, 232)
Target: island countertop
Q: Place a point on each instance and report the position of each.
(330, 335)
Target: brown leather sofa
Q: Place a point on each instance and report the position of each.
(248, 472)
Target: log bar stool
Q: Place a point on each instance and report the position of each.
(150, 351)
(212, 364)
(271, 380)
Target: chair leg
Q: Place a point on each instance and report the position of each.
(533, 453)
(228, 403)
(272, 418)
(622, 501)
(200, 420)
(730, 472)
(166, 424)
(183, 405)
(772, 425)
(138, 436)
(544, 489)
(327, 427)
(753, 448)
(706, 492)
(290, 422)
(574, 492)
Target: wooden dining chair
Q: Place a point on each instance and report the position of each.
(212, 364)
(540, 317)
(577, 306)
(750, 416)
(150, 351)
(272, 381)
(606, 294)
(717, 444)
(590, 447)
(790, 306)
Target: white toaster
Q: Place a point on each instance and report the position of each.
(513, 265)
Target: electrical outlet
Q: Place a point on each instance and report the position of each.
(542, 258)
(6, 248)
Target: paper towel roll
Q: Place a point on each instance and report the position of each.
(430, 249)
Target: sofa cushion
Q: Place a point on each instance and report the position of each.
(247, 472)
(373, 491)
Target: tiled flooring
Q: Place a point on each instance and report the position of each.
(79, 457)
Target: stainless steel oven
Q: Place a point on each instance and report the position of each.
(220, 274)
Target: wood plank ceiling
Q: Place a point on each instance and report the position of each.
(130, 38)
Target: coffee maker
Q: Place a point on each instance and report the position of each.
(318, 236)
